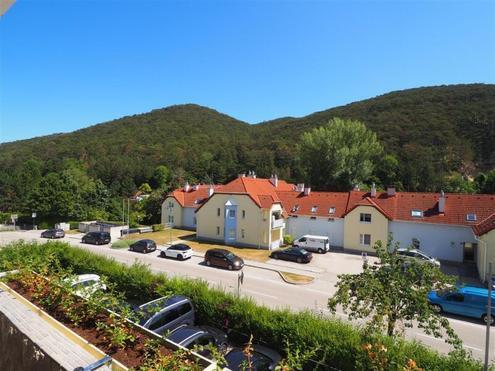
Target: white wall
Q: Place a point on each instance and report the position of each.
(188, 215)
(302, 225)
(438, 240)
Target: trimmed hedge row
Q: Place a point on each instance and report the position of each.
(339, 344)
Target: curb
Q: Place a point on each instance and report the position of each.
(294, 283)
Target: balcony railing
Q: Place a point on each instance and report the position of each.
(278, 223)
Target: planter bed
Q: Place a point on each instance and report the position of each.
(133, 354)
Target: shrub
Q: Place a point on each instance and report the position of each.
(158, 227)
(74, 225)
(338, 343)
(288, 239)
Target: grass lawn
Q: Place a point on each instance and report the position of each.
(162, 237)
(189, 237)
(72, 231)
(296, 278)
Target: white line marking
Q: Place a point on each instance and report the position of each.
(473, 348)
(259, 293)
(428, 336)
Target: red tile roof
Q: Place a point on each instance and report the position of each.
(397, 207)
(193, 198)
(485, 226)
(261, 191)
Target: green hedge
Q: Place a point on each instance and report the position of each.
(339, 344)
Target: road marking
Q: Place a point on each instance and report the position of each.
(428, 336)
(466, 323)
(473, 348)
(259, 293)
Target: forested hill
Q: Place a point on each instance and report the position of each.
(432, 133)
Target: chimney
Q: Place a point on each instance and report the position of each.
(274, 180)
(187, 187)
(195, 187)
(299, 187)
(373, 190)
(307, 191)
(391, 191)
(241, 175)
(441, 203)
(253, 175)
(211, 190)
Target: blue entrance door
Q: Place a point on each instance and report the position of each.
(230, 224)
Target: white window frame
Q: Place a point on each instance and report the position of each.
(362, 239)
(314, 209)
(416, 213)
(230, 212)
(332, 210)
(471, 217)
(362, 217)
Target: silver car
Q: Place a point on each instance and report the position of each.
(166, 313)
(418, 254)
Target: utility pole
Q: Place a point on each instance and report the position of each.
(488, 317)
(128, 215)
(170, 221)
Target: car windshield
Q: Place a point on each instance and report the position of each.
(149, 310)
(230, 256)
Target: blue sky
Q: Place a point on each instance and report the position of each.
(70, 64)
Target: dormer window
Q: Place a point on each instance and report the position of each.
(331, 210)
(295, 208)
(417, 213)
(198, 201)
(314, 208)
(471, 217)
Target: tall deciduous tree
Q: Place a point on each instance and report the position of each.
(392, 294)
(339, 155)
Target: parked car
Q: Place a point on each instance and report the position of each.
(224, 259)
(53, 233)
(466, 301)
(417, 254)
(144, 246)
(293, 254)
(166, 313)
(191, 336)
(309, 242)
(85, 285)
(178, 251)
(96, 238)
(262, 359)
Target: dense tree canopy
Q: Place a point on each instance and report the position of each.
(339, 155)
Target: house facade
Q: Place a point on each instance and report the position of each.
(179, 207)
(256, 212)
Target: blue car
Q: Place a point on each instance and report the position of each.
(466, 301)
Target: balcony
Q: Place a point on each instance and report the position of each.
(278, 223)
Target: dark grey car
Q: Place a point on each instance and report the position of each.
(263, 359)
(191, 336)
(144, 246)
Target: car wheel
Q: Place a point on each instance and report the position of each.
(162, 254)
(484, 318)
(299, 260)
(145, 251)
(436, 308)
(180, 257)
(230, 266)
(208, 263)
(131, 248)
(320, 251)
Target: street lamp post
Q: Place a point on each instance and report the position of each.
(33, 215)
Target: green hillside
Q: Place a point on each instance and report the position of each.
(435, 133)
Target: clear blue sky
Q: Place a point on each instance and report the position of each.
(70, 64)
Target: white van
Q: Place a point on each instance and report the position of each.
(313, 243)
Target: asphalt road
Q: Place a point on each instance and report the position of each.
(266, 287)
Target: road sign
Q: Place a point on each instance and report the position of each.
(13, 217)
(33, 215)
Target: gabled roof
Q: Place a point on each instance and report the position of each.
(368, 201)
(262, 191)
(194, 197)
(485, 226)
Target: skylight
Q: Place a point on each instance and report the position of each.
(417, 213)
(331, 210)
(314, 208)
(471, 217)
(295, 208)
